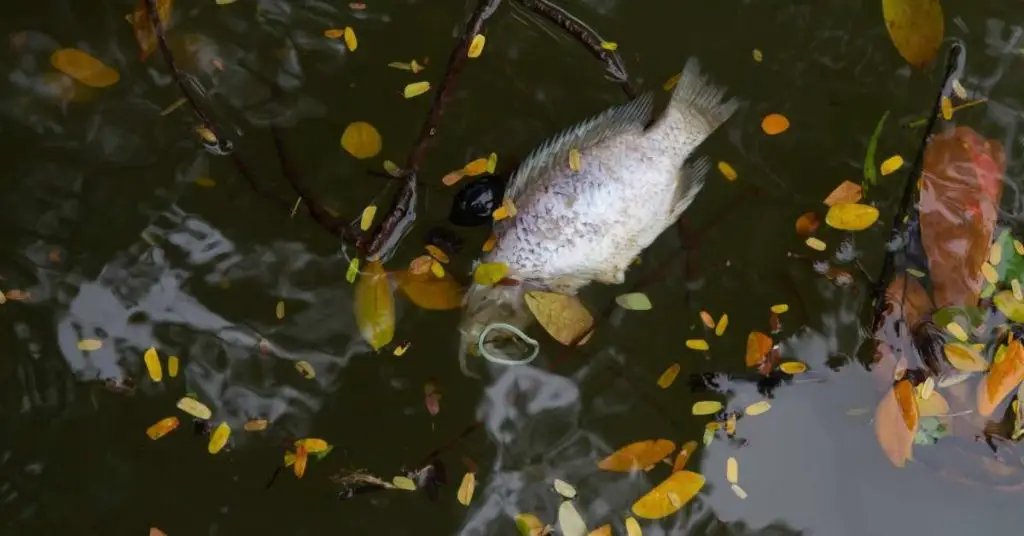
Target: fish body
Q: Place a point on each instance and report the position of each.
(576, 226)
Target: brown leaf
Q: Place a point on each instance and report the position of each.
(1004, 376)
(961, 187)
(896, 422)
(758, 345)
(807, 223)
(144, 32)
(847, 192)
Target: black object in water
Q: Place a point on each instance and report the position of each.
(476, 201)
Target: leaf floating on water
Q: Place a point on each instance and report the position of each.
(1009, 305)
(815, 244)
(142, 26)
(506, 210)
(528, 525)
(727, 171)
(361, 140)
(706, 407)
(375, 306)
(916, 28)
(416, 89)
(313, 445)
(565, 318)
(957, 331)
(851, 216)
(152, 360)
(891, 165)
(707, 319)
(564, 488)
(301, 460)
(933, 406)
(697, 344)
(405, 483)
(334, 33)
(1004, 376)
(392, 168)
(153, 531)
(779, 308)
(634, 301)
(740, 492)
(870, 173)
(946, 108)
(351, 43)
(672, 82)
(896, 421)
(758, 55)
(575, 160)
(84, 68)
(635, 456)
(807, 224)
(633, 527)
(757, 408)
(846, 192)
(492, 162)
(279, 310)
(476, 46)
(219, 438)
(353, 270)
(773, 124)
(466, 488)
(194, 408)
(569, 520)
(305, 369)
(732, 470)
(489, 273)
(162, 427)
(255, 425)
(429, 292)
(436, 269)
(669, 496)
(793, 367)
(609, 45)
(758, 346)
(668, 377)
(172, 366)
(684, 455)
(89, 345)
(367, 218)
(723, 323)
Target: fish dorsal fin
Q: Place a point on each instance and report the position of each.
(633, 115)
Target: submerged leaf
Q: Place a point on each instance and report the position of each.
(669, 496)
(375, 306)
(466, 488)
(1002, 379)
(634, 301)
(84, 68)
(416, 89)
(851, 216)
(915, 27)
(669, 376)
(635, 456)
(361, 140)
(143, 27)
(429, 292)
(758, 345)
(565, 318)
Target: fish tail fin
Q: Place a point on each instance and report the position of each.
(697, 98)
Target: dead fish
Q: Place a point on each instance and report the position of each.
(574, 227)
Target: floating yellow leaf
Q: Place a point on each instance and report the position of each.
(219, 438)
(707, 319)
(575, 160)
(758, 345)
(603, 530)
(313, 445)
(529, 524)
(392, 168)
(334, 33)
(205, 182)
(453, 177)
(565, 318)
(489, 273)
(915, 27)
(706, 407)
(635, 456)
(436, 269)
(476, 167)
(351, 43)
(634, 301)
(740, 492)
(773, 124)
(375, 306)
(609, 45)
(206, 134)
(669, 376)
(732, 470)
(891, 164)
(305, 369)
(367, 218)
(506, 210)
(361, 140)
(1004, 376)
(466, 488)
(758, 55)
(152, 360)
(671, 82)
(279, 309)
(570, 523)
(727, 171)
(162, 427)
(990, 273)
(846, 192)
(476, 46)
(492, 162)
(851, 216)
(697, 344)
(896, 421)
(779, 308)
(669, 496)
(84, 68)
(353, 270)
(89, 345)
(415, 89)
(400, 350)
(490, 243)
(1009, 305)
(946, 107)
(172, 366)
(815, 244)
(143, 26)
(429, 292)
(194, 408)
(255, 425)
(564, 488)
(933, 406)
(633, 527)
(758, 408)
(1015, 288)
(685, 452)
(301, 460)
(807, 223)
(957, 331)
(723, 323)
(402, 482)
(793, 367)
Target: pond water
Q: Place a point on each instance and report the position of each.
(108, 232)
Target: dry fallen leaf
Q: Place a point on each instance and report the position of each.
(162, 427)
(219, 438)
(846, 192)
(637, 455)
(565, 318)
(375, 306)
(301, 460)
(466, 488)
(361, 140)
(669, 496)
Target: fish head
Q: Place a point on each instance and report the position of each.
(486, 306)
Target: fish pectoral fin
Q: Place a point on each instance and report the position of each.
(691, 181)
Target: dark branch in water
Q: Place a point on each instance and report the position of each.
(614, 66)
(954, 64)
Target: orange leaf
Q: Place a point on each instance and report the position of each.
(684, 456)
(1004, 376)
(301, 458)
(636, 456)
(429, 292)
(896, 422)
(773, 124)
(758, 345)
(961, 186)
(807, 223)
(84, 68)
(847, 192)
(144, 33)
(669, 496)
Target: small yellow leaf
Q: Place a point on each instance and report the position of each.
(492, 162)
(350, 39)
(1018, 294)
(669, 376)
(305, 369)
(964, 358)
(392, 168)
(506, 210)
(255, 425)
(437, 253)
(205, 182)
(891, 164)
(706, 407)
(334, 33)
(707, 319)
(957, 331)
(361, 140)
(162, 428)
(633, 527)
(172, 366)
(575, 160)
(565, 318)
(697, 344)
(793, 367)
(634, 301)
(476, 47)
(637, 455)
(757, 408)
(279, 309)
(995, 253)
(773, 124)
(740, 492)
(723, 323)
(815, 244)
(851, 216)
(206, 134)
(476, 167)
(152, 359)
(401, 65)
(194, 408)
(453, 177)
(727, 171)
(779, 308)
(669, 496)
(529, 524)
(466, 488)
(916, 28)
(219, 438)
(1018, 247)
(609, 45)
(83, 67)
(89, 345)
(685, 452)
(946, 106)
(437, 269)
(367, 219)
(402, 482)
(400, 350)
(353, 270)
(375, 306)
(564, 488)
(313, 445)
(570, 523)
(301, 460)
(732, 470)
(490, 243)
(672, 82)
(489, 273)
(415, 89)
(990, 273)
(758, 55)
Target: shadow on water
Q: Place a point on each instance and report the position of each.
(107, 230)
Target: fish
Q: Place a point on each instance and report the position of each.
(576, 226)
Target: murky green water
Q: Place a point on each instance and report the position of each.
(87, 178)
